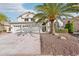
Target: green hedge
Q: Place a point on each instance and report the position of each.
(62, 31)
(70, 27)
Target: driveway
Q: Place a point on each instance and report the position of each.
(11, 44)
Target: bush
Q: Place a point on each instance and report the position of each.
(70, 27)
(62, 31)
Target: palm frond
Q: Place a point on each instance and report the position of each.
(67, 15)
(54, 10)
(40, 17)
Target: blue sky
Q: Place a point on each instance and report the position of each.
(30, 6)
(13, 10)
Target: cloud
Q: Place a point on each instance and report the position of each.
(11, 7)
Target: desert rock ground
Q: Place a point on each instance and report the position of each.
(52, 45)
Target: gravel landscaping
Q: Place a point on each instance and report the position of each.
(52, 45)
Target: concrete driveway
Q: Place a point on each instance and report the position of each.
(11, 44)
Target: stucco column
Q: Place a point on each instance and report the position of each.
(29, 19)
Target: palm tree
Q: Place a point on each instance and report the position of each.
(3, 18)
(52, 11)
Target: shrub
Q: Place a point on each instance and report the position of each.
(62, 31)
(70, 27)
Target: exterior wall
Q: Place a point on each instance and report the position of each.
(7, 28)
(24, 27)
(48, 27)
(76, 23)
(20, 19)
(1, 28)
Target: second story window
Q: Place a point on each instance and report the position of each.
(26, 19)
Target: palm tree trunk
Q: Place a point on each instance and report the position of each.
(52, 29)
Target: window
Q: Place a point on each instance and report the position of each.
(26, 19)
(32, 19)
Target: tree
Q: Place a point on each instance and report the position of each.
(3, 18)
(52, 11)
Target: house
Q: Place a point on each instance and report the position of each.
(5, 27)
(76, 22)
(24, 22)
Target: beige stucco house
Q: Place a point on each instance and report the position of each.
(5, 27)
(76, 22)
(24, 21)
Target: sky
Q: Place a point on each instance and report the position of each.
(13, 10)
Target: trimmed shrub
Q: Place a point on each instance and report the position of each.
(62, 31)
(70, 27)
